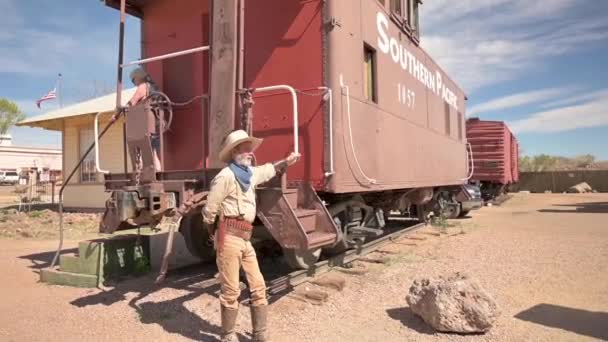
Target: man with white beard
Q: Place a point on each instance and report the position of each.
(232, 198)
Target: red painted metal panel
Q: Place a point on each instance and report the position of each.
(283, 45)
(495, 151)
(168, 27)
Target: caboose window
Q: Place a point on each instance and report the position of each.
(397, 8)
(460, 121)
(412, 17)
(369, 74)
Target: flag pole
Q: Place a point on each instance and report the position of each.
(59, 91)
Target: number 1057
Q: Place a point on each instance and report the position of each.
(406, 96)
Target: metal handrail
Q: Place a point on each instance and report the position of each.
(67, 180)
(346, 89)
(331, 130)
(96, 130)
(294, 98)
(165, 56)
(470, 161)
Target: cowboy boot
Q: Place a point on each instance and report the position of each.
(258, 322)
(228, 321)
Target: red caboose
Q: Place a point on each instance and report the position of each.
(378, 123)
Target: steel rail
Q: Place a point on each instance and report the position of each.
(289, 281)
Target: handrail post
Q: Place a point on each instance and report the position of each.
(96, 129)
(294, 98)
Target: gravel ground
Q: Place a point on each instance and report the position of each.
(543, 257)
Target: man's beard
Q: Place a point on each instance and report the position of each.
(243, 159)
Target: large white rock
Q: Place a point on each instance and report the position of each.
(455, 303)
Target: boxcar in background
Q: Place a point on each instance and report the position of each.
(495, 153)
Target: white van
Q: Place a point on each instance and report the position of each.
(9, 177)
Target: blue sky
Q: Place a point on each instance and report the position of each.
(39, 39)
(539, 65)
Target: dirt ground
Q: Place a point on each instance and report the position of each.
(44, 224)
(7, 195)
(543, 257)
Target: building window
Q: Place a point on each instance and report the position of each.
(369, 74)
(88, 170)
(413, 18)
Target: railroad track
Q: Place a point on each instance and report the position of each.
(287, 282)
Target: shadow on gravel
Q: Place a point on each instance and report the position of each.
(591, 208)
(172, 314)
(43, 260)
(583, 322)
(410, 320)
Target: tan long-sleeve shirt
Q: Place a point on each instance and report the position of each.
(223, 194)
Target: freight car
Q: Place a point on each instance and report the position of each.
(495, 154)
(379, 125)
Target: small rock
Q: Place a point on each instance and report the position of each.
(455, 303)
(580, 188)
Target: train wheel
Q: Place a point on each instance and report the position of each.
(464, 213)
(446, 206)
(197, 238)
(301, 260)
(452, 210)
(346, 215)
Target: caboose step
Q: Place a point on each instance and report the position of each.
(308, 219)
(318, 239)
(367, 231)
(292, 197)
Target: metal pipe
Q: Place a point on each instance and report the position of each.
(169, 55)
(241, 44)
(331, 130)
(67, 180)
(294, 98)
(471, 161)
(96, 129)
(121, 45)
(350, 131)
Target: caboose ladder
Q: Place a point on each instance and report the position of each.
(295, 216)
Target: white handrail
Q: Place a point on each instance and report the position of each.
(96, 132)
(350, 131)
(169, 55)
(294, 98)
(471, 161)
(330, 98)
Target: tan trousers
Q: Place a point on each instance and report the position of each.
(236, 253)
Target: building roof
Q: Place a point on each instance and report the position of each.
(52, 119)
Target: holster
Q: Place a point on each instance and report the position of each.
(234, 226)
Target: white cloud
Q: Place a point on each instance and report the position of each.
(577, 99)
(57, 43)
(593, 113)
(517, 100)
(482, 43)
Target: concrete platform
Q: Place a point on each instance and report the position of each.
(115, 256)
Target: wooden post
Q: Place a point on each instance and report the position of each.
(223, 75)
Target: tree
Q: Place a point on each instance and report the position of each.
(10, 114)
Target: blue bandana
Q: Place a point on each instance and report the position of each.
(243, 175)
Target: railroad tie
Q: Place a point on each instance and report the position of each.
(331, 281)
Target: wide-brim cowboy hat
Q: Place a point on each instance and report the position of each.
(233, 140)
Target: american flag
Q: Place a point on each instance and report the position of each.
(49, 96)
